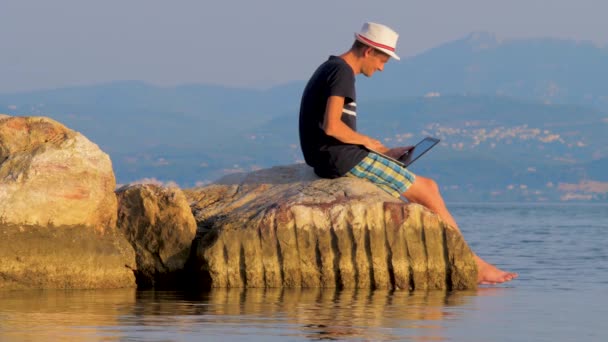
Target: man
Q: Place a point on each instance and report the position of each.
(333, 147)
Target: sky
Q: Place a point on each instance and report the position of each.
(247, 43)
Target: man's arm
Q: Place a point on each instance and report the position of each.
(334, 127)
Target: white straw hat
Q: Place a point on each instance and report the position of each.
(379, 37)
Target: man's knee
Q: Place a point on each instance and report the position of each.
(423, 190)
(428, 184)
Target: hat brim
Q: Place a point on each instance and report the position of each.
(386, 51)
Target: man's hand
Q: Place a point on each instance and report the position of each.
(398, 151)
(375, 145)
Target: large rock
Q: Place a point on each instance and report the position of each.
(58, 210)
(284, 227)
(51, 174)
(160, 226)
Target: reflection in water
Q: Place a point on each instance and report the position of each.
(319, 314)
(324, 313)
(58, 315)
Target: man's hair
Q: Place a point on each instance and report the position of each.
(359, 48)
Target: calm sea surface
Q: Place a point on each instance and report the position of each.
(560, 252)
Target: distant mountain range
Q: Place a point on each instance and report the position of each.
(519, 120)
(546, 70)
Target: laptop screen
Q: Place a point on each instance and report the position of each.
(421, 148)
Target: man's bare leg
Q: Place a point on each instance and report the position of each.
(425, 191)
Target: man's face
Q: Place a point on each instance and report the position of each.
(373, 61)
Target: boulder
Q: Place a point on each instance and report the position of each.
(50, 174)
(160, 226)
(58, 210)
(284, 227)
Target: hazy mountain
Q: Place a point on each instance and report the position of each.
(552, 70)
(148, 116)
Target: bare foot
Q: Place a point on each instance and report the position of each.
(490, 274)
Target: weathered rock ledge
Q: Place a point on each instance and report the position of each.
(284, 227)
(63, 257)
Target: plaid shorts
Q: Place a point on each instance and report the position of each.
(385, 173)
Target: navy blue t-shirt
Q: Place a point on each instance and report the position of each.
(329, 157)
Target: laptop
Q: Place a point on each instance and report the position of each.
(412, 155)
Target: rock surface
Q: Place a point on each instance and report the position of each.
(51, 174)
(66, 257)
(160, 226)
(284, 227)
(58, 210)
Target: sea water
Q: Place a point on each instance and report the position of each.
(559, 250)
